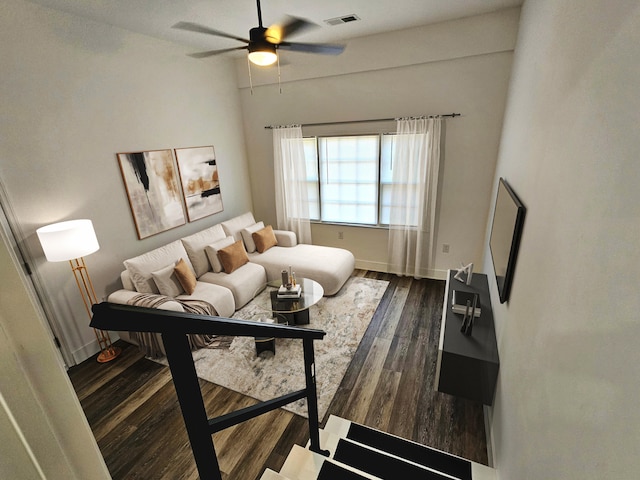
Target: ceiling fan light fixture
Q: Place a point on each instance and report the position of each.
(263, 54)
(263, 42)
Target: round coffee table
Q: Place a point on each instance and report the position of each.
(290, 311)
(294, 311)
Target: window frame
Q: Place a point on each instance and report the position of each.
(380, 139)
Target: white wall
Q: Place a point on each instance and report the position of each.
(460, 66)
(566, 403)
(74, 93)
(44, 432)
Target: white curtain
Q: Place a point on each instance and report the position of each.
(292, 199)
(415, 169)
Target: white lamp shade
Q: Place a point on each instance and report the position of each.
(68, 240)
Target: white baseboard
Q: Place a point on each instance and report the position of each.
(382, 267)
(90, 349)
(488, 420)
(373, 266)
(86, 351)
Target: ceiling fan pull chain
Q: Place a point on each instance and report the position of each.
(250, 80)
(279, 84)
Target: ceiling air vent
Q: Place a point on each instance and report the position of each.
(343, 19)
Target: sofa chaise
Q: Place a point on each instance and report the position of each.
(226, 265)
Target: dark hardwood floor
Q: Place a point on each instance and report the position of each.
(133, 411)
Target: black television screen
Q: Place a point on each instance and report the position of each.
(508, 218)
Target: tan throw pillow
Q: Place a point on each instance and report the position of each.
(264, 239)
(247, 236)
(212, 252)
(233, 257)
(186, 277)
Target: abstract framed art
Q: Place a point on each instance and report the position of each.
(151, 181)
(200, 182)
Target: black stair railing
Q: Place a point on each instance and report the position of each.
(174, 327)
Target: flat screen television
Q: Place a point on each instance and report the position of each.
(506, 229)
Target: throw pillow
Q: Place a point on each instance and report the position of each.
(195, 244)
(212, 252)
(140, 267)
(264, 239)
(186, 277)
(247, 236)
(234, 225)
(167, 282)
(233, 257)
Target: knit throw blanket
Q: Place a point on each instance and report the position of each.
(151, 343)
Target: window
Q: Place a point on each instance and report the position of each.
(349, 178)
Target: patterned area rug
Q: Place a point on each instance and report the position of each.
(345, 317)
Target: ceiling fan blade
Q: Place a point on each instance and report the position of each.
(211, 53)
(194, 27)
(276, 33)
(323, 48)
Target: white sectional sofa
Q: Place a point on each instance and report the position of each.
(203, 257)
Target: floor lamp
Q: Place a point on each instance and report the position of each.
(71, 241)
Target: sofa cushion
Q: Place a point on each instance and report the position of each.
(245, 282)
(247, 236)
(167, 281)
(234, 225)
(140, 267)
(264, 239)
(195, 244)
(329, 266)
(125, 278)
(285, 238)
(233, 256)
(212, 252)
(185, 275)
(220, 297)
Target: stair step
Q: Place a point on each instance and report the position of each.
(332, 471)
(271, 475)
(303, 464)
(413, 452)
(382, 464)
(358, 452)
(432, 459)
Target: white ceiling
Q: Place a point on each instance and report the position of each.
(155, 17)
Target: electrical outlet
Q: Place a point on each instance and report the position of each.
(445, 248)
(340, 235)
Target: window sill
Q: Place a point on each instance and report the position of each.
(355, 225)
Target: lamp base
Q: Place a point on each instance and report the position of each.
(109, 354)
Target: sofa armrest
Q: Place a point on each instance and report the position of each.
(286, 238)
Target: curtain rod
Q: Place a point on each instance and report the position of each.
(452, 115)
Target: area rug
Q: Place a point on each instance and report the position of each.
(344, 317)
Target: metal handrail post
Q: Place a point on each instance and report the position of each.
(174, 327)
(194, 413)
(312, 397)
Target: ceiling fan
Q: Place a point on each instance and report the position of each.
(264, 42)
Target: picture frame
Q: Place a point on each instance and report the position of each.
(200, 181)
(151, 181)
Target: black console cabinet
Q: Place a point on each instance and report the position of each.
(468, 365)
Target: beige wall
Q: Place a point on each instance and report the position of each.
(461, 66)
(566, 403)
(74, 93)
